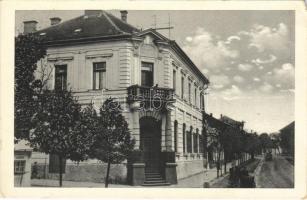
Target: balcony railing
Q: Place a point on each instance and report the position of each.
(143, 93)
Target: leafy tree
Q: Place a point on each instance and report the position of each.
(266, 142)
(61, 128)
(28, 50)
(112, 140)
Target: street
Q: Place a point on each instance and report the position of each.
(278, 173)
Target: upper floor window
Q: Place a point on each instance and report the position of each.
(99, 75)
(174, 80)
(190, 92)
(195, 96)
(182, 87)
(60, 77)
(147, 74)
(202, 101)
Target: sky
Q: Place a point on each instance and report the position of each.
(248, 57)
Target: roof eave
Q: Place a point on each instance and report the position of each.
(178, 50)
(87, 40)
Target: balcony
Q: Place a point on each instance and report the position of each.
(150, 97)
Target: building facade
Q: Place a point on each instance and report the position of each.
(161, 91)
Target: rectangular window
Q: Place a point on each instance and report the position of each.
(147, 74)
(189, 142)
(99, 75)
(190, 92)
(202, 103)
(174, 80)
(60, 77)
(182, 87)
(183, 138)
(195, 96)
(19, 166)
(195, 141)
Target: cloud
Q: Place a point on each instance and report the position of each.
(284, 75)
(238, 79)
(207, 51)
(267, 38)
(245, 67)
(232, 38)
(259, 61)
(231, 93)
(219, 81)
(256, 79)
(266, 87)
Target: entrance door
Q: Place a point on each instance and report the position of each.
(150, 143)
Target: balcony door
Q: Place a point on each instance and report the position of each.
(147, 74)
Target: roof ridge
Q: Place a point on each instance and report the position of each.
(121, 20)
(111, 22)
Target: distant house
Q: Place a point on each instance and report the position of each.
(224, 125)
(287, 139)
(98, 56)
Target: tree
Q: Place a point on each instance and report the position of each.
(28, 51)
(112, 140)
(60, 128)
(266, 142)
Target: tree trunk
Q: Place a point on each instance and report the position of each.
(106, 182)
(61, 170)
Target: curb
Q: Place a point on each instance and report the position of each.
(257, 172)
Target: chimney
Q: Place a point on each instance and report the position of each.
(124, 15)
(210, 114)
(29, 26)
(92, 12)
(55, 21)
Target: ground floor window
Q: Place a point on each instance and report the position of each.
(19, 166)
(183, 138)
(175, 135)
(195, 141)
(189, 141)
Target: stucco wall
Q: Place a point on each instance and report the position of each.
(87, 172)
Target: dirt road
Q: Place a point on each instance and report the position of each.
(278, 173)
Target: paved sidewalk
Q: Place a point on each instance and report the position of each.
(195, 181)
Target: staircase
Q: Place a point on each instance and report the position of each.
(154, 178)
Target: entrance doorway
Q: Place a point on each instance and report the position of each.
(150, 142)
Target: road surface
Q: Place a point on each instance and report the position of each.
(278, 173)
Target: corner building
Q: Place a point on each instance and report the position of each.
(160, 89)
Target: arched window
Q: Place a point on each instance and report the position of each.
(175, 135)
(183, 138)
(189, 140)
(195, 141)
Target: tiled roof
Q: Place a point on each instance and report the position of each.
(103, 24)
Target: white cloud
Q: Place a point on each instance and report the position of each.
(238, 79)
(284, 75)
(256, 79)
(232, 38)
(270, 60)
(219, 81)
(245, 67)
(266, 87)
(207, 52)
(264, 37)
(205, 71)
(232, 92)
(261, 67)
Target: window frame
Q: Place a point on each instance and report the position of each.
(101, 71)
(152, 73)
(56, 73)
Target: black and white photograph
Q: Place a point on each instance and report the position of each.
(154, 98)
